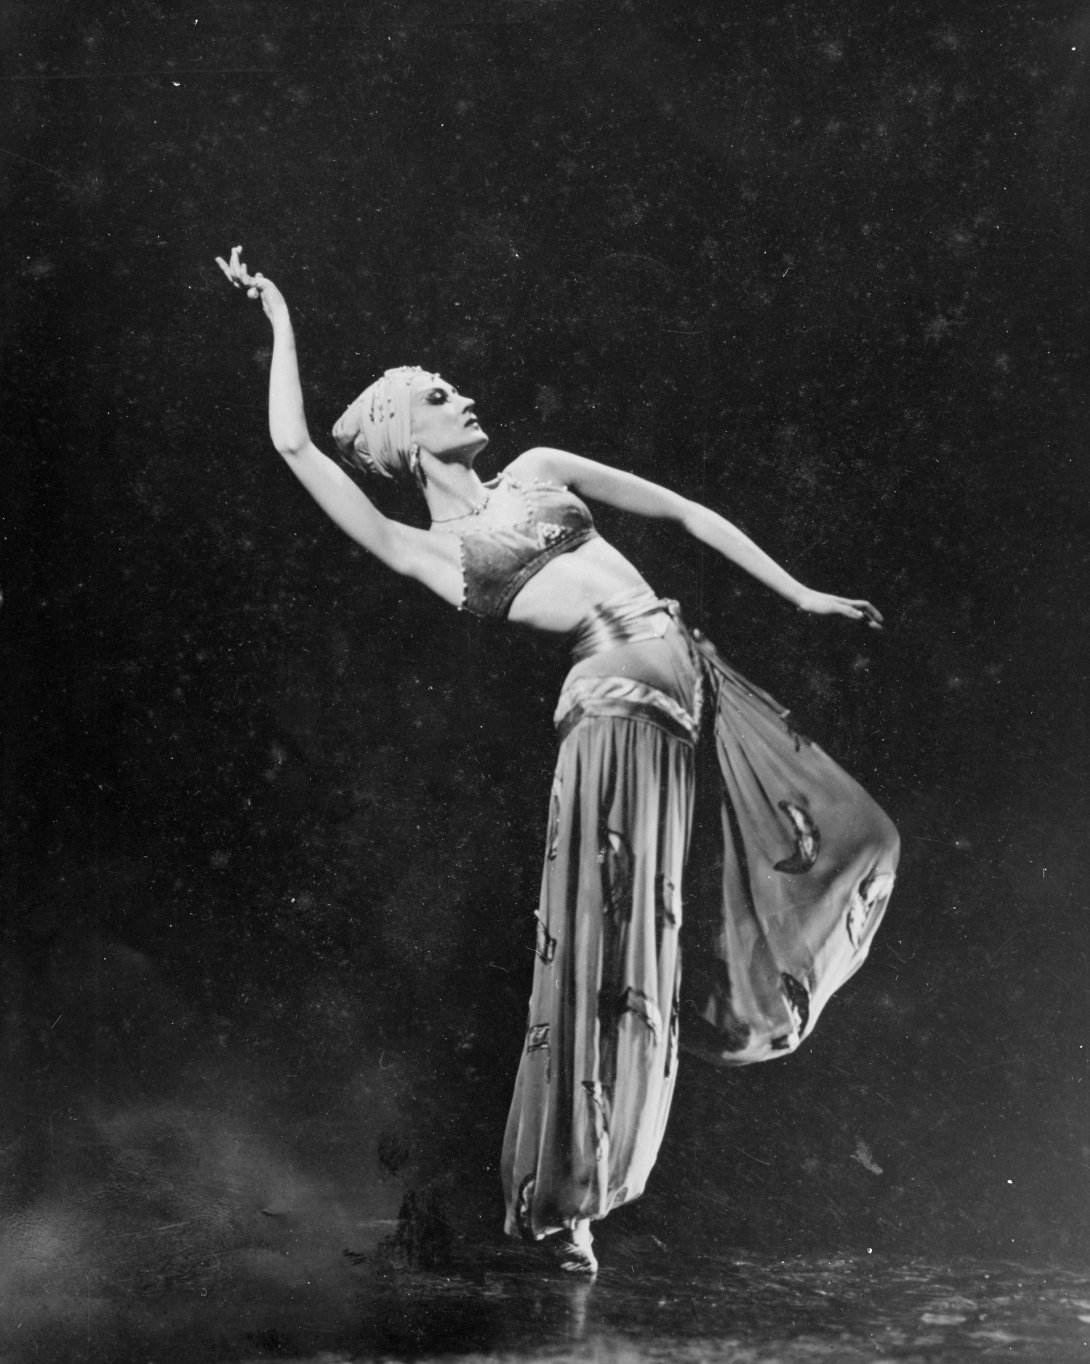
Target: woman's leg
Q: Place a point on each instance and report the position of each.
(597, 1072)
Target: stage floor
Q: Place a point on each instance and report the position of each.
(646, 1304)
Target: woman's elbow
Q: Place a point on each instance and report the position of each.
(290, 449)
(691, 516)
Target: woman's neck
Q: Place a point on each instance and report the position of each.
(452, 491)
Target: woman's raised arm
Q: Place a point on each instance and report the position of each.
(403, 548)
(630, 493)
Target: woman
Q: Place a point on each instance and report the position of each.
(808, 858)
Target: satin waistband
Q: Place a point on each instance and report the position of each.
(634, 616)
(624, 698)
(626, 618)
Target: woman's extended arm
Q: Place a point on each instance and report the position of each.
(631, 493)
(403, 548)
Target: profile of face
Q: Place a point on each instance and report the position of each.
(443, 421)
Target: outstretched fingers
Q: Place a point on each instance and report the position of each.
(855, 608)
(233, 269)
(866, 612)
(238, 275)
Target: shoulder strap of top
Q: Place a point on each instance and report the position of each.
(505, 476)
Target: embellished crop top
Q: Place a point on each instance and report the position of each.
(500, 556)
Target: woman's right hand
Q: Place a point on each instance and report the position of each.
(256, 286)
(827, 604)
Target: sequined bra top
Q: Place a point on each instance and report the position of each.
(499, 557)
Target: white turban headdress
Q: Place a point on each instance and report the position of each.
(375, 432)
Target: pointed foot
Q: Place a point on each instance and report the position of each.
(572, 1249)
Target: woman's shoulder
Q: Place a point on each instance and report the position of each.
(533, 467)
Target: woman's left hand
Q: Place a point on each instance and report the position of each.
(825, 604)
(256, 286)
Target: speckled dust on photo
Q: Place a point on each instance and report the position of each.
(274, 817)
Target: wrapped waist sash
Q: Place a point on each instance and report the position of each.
(634, 617)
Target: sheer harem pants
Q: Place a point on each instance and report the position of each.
(599, 1061)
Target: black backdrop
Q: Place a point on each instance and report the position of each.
(273, 818)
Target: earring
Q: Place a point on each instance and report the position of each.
(415, 465)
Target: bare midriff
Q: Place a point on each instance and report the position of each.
(562, 593)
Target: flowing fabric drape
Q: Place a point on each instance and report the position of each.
(808, 861)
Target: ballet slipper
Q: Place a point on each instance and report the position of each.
(572, 1249)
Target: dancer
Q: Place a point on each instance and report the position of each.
(808, 858)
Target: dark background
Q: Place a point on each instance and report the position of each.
(274, 818)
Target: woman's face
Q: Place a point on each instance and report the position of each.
(443, 420)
